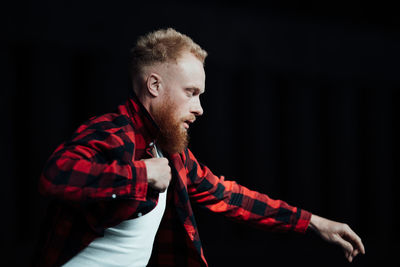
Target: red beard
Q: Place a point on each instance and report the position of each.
(173, 138)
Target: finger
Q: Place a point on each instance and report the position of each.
(351, 236)
(348, 256)
(355, 253)
(345, 245)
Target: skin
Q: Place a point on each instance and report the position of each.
(183, 82)
(338, 233)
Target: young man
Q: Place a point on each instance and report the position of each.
(121, 187)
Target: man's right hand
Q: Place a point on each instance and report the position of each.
(158, 173)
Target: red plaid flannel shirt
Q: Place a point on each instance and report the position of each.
(97, 179)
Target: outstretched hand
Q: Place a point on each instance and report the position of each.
(338, 233)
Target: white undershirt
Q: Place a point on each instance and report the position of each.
(127, 244)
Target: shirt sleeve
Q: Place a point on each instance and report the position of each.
(95, 165)
(240, 203)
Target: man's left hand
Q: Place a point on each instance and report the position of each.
(338, 233)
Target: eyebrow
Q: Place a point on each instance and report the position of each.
(195, 89)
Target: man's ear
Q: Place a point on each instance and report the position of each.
(153, 84)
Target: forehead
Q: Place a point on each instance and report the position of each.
(190, 71)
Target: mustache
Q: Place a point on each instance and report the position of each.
(191, 118)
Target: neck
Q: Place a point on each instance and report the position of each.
(147, 101)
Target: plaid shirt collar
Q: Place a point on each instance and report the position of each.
(141, 117)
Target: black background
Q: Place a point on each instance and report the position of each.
(301, 103)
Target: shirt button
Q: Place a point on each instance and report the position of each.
(139, 214)
(113, 195)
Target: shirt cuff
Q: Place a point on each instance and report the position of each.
(303, 220)
(139, 183)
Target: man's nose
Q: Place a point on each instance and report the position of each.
(197, 109)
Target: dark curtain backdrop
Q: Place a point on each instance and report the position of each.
(301, 103)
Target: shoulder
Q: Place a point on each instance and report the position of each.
(110, 122)
(111, 131)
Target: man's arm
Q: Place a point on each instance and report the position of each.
(258, 209)
(91, 168)
(338, 233)
(240, 203)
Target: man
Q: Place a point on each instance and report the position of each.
(121, 187)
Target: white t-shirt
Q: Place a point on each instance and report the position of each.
(127, 244)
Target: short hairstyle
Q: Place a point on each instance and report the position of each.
(161, 46)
